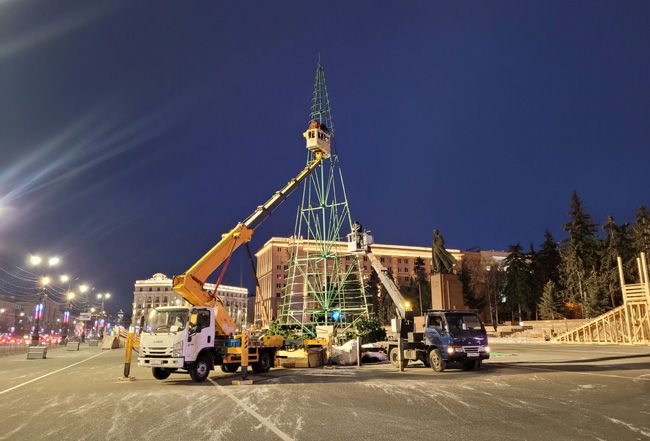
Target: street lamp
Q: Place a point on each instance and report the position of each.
(36, 260)
(66, 315)
(103, 297)
(38, 313)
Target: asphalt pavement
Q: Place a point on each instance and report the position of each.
(525, 392)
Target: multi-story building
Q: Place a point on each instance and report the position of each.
(273, 262)
(7, 315)
(157, 291)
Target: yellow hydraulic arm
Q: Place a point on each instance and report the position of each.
(190, 284)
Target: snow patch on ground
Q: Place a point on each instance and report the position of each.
(645, 432)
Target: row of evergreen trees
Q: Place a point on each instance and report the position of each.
(577, 277)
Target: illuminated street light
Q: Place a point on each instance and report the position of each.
(103, 297)
(66, 316)
(92, 309)
(36, 260)
(83, 288)
(64, 278)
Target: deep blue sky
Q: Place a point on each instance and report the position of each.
(132, 135)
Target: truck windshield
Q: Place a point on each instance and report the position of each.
(460, 323)
(167, 320)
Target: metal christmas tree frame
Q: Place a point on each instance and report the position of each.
(324, 284)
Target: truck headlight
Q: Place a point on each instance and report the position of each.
(452, 349)
(177, 350)
(485, 349)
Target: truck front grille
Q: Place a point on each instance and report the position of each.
(471, 349)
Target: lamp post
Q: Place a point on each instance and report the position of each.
(38, 313)
(66, 315)
(35, 261)
(103, 297)
(83, 289)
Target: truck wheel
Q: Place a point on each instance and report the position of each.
(393, 356)
(264, 363)
(436, 361)
(229, 368)
(160, 373)
(200, 370)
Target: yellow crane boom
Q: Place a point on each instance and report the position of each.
(190, 284)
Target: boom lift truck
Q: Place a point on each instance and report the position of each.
(197, 338)
(438, 338)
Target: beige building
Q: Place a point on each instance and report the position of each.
(273, 261)
(157, 291)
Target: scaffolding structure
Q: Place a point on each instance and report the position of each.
(323, 284)
(626, 324)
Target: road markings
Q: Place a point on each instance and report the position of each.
(265, 421)
(575, 372)
(51, 373)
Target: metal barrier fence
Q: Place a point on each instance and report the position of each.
(12, 349)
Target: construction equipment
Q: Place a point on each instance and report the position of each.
(438, 337)
(197, 338)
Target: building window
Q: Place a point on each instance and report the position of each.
(399, 260)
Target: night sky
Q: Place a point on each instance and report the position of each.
(133, 134)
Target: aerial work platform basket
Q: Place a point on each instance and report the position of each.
(318, 138)
(359, 241)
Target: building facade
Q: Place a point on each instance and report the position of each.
(157, 291)
(7, 316)
(273, 261)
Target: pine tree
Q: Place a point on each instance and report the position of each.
(549, 306)
(423, 283)
(471, 297)
(372, 291)
(641, 232)
(582, 233)
(547, 261)
(580, 252)
(596, 295)
(517, 282)
(617, 242)
(386, 307)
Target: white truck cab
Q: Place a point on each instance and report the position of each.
(175, 337)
